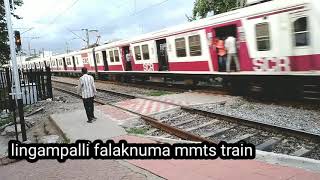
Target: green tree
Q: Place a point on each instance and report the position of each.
(203, 7)
(4, 45)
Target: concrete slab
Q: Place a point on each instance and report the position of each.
(122, 118)
(146, 107)
(3, 146)
(74, 126)
(218, 169)
(192, 98)
(75, 169)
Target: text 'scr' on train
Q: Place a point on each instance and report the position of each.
(277, 45)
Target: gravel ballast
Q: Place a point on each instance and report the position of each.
(291, 117)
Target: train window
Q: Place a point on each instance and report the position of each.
(195, 45)
(301, 33)
(137, 52)
(116, 55)
(111, 56)
(68, 61)
(77, 60)
(60, 62)
(181, 47)
(145, 52)
(263, 37)
(97, 58)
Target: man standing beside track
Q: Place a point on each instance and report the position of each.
(88, 90)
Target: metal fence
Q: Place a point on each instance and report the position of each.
(35, 86)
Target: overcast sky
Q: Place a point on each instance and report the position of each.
(115, 19)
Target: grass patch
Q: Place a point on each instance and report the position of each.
(6, 120)
(67, 141)
(27, 109)
(136, 130)
(157, 93)
(3, 91)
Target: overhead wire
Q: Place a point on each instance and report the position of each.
(138, 12)
(64, 11)
(76, 1)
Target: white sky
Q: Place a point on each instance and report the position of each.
(113, 18)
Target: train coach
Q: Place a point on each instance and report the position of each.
(277, 49)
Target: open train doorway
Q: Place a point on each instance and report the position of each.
(74, 63)
(127, 58)
(221, 34)
(105, 61)
(162, 54)
(64, 64)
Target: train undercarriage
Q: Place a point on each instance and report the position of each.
(273, 87)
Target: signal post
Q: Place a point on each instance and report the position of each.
(17, 89)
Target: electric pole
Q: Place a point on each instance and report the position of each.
(15, 72)
(88, 36)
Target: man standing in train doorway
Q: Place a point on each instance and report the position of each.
(88, 90)
(231, 47)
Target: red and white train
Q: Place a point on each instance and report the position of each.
(276, 40)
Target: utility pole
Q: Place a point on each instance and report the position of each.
(88, 36)
(17, 88)
(67, 46)
(29, 43)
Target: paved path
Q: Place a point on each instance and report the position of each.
(219, 169)
(3, 145)
(74, 169)
(146, 107)
(75, 126)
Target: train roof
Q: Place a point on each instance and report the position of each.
(247, 12)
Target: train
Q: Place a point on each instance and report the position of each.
(277, 49)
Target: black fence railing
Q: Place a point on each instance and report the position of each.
(4, 93)
(35, 86)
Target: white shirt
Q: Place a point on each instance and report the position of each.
(86, 86)
(128, 57)
(230, 45)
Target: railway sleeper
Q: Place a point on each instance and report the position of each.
(175, 118)
(217, 132)
(183, 122)
(241, 138)
(267, 145)
(301, 152)
(201, 125)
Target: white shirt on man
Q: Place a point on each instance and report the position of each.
(86, 86)
(230, 45)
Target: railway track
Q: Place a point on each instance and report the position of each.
(198, 125)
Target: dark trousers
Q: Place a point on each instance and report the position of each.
(222, 63)
(88, 105)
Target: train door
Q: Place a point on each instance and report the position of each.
(220, 34)
(105, 60)
(64, 63)
(127, 58)
(162, 55)
(57, 64)
(74, 63)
